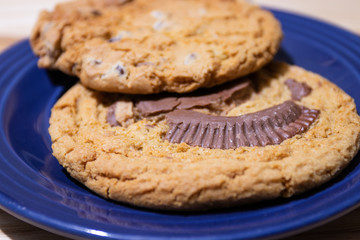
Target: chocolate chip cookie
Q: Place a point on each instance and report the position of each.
(275, 133)
(143, 47)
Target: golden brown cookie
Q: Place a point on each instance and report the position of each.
(121, 147)
(142, 47)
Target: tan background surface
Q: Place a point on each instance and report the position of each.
(18, 16)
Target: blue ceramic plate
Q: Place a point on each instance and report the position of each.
(34, 187)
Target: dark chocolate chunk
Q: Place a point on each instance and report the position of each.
(96, 12)
(202, 98)
(97, 62)
(267, 127)
(120, 69)
(298, 90)
(150, 107)
(111, 117)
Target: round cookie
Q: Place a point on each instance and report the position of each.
(132, 161)
(142, 47)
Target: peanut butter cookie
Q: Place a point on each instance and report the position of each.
(279, 132)
(142, 47)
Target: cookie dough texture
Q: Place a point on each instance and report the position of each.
(142, 46)
(135, 165)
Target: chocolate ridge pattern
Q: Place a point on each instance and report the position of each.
(267, 127)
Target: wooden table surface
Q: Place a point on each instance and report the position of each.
(17, 17)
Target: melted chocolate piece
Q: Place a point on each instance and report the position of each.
(267, 127)
(156, 106)
(111, 117)
(298, 90)
(96, 12)
(148, 107)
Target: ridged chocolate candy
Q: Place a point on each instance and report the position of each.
(267, 127)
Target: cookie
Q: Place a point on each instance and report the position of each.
(143, 47)
(276, 133)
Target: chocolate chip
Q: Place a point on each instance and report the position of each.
(120, 69)
(298, 90)
(93, 61)
(111, 117)
(267, 127)
(97, 61)
(96, 12)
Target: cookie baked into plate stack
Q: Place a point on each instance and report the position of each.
(179, 108)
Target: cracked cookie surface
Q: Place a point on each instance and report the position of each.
(136, 165)
(142, 47)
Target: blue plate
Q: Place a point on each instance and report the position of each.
(35, 188)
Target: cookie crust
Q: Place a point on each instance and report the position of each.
(142, 46)
(135, 165)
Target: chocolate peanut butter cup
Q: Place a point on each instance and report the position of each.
(269, 126)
